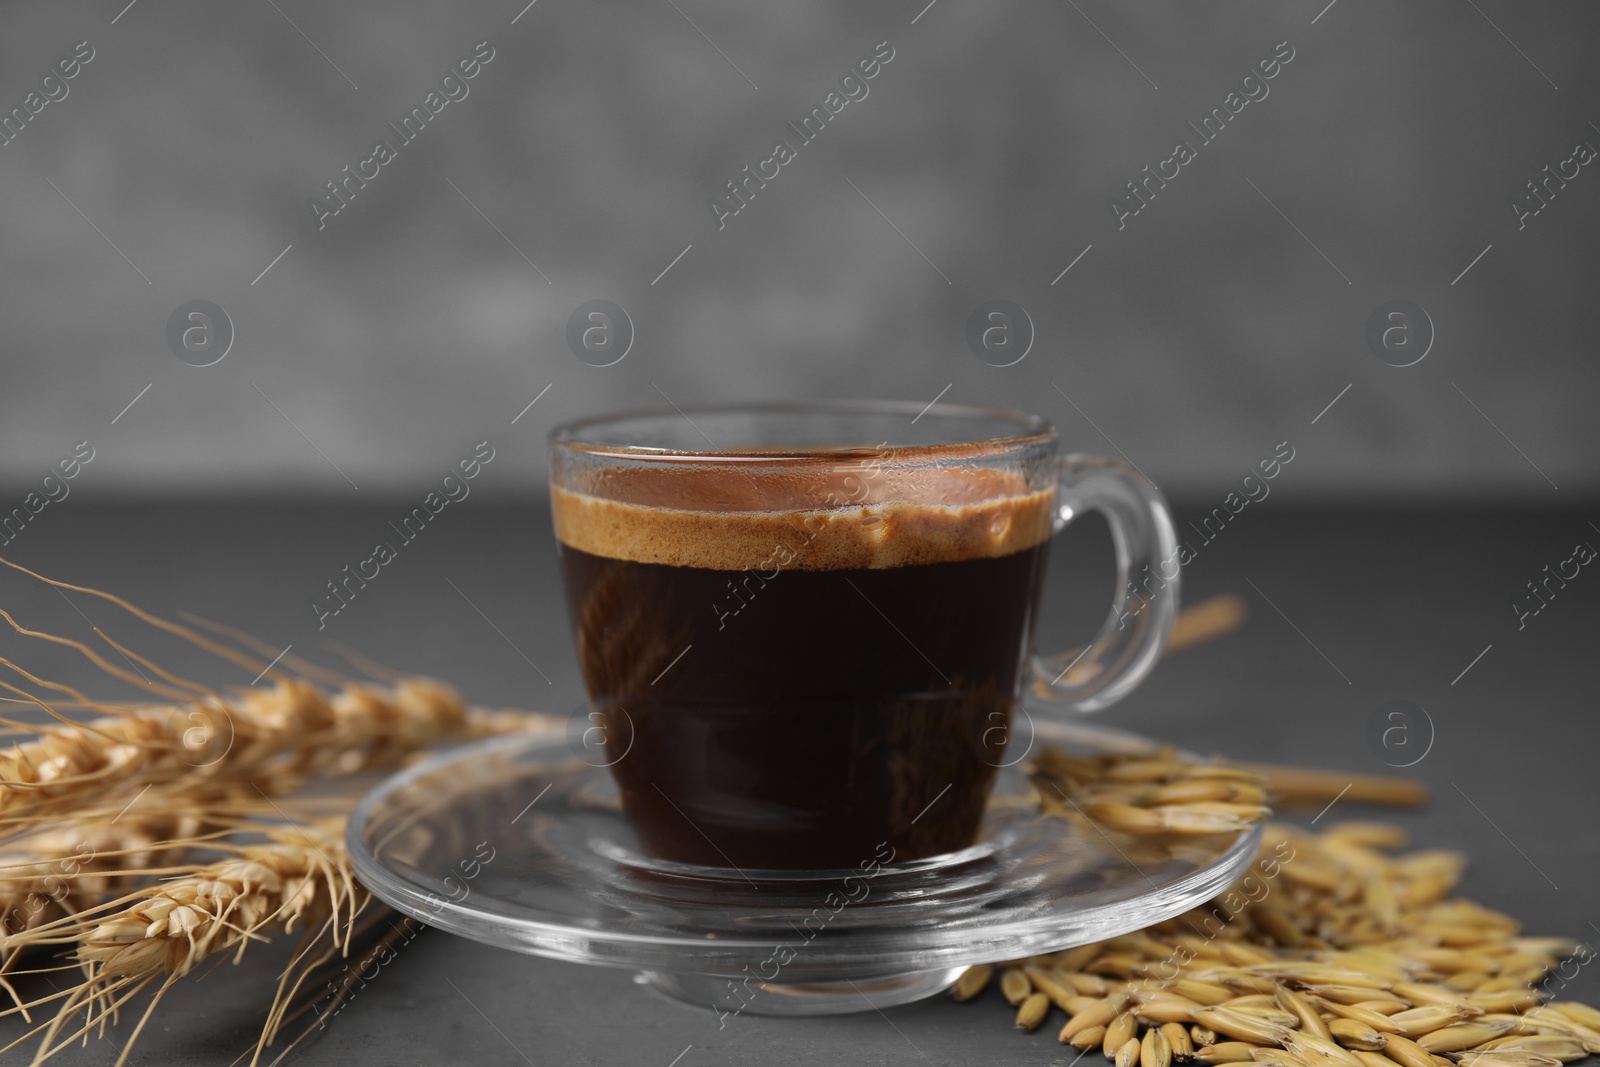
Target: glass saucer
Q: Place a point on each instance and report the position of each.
(520, 842)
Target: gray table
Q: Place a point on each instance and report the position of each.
(1366, 605)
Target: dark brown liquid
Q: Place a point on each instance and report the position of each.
(815, 713)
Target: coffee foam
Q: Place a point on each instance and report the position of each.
(867, 535)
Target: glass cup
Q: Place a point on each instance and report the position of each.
(805, 628)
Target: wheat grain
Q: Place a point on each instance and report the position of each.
(1268, 1012)
(1161, 1007)
(1565, 1049)
(1240, 1026)
(1415, 1022)
(1252, 1000)
(1177, 1040)
(1420, 994)
(1310, 1020)
(1089, 985)
(1572, 1010)
(1407, 1052)
(1464, 1036)
(1155, 1050)
(1085, 1039)
(1506, 1058)
(972, 981)
(1100, 1013)
(1015, 987)
(1589, 1035)
(1072, 960)
(1357, 1036)
(1207, 994)
(1318, 1051)
(1045, 982)
(1118, 1032)
(1518, 999)
(1033, 1011)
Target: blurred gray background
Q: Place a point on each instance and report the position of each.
(1227, 317)
(427, 314)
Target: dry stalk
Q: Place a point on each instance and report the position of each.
(1214, 617)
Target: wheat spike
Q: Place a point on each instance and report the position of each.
(299, 878)
(291, 728)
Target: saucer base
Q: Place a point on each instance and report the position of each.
(755, 997)
(521, 843)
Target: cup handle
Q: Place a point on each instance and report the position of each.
(1135, 632)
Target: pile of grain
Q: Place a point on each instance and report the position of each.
(1330, 952)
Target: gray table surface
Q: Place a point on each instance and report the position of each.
(1351, 607)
